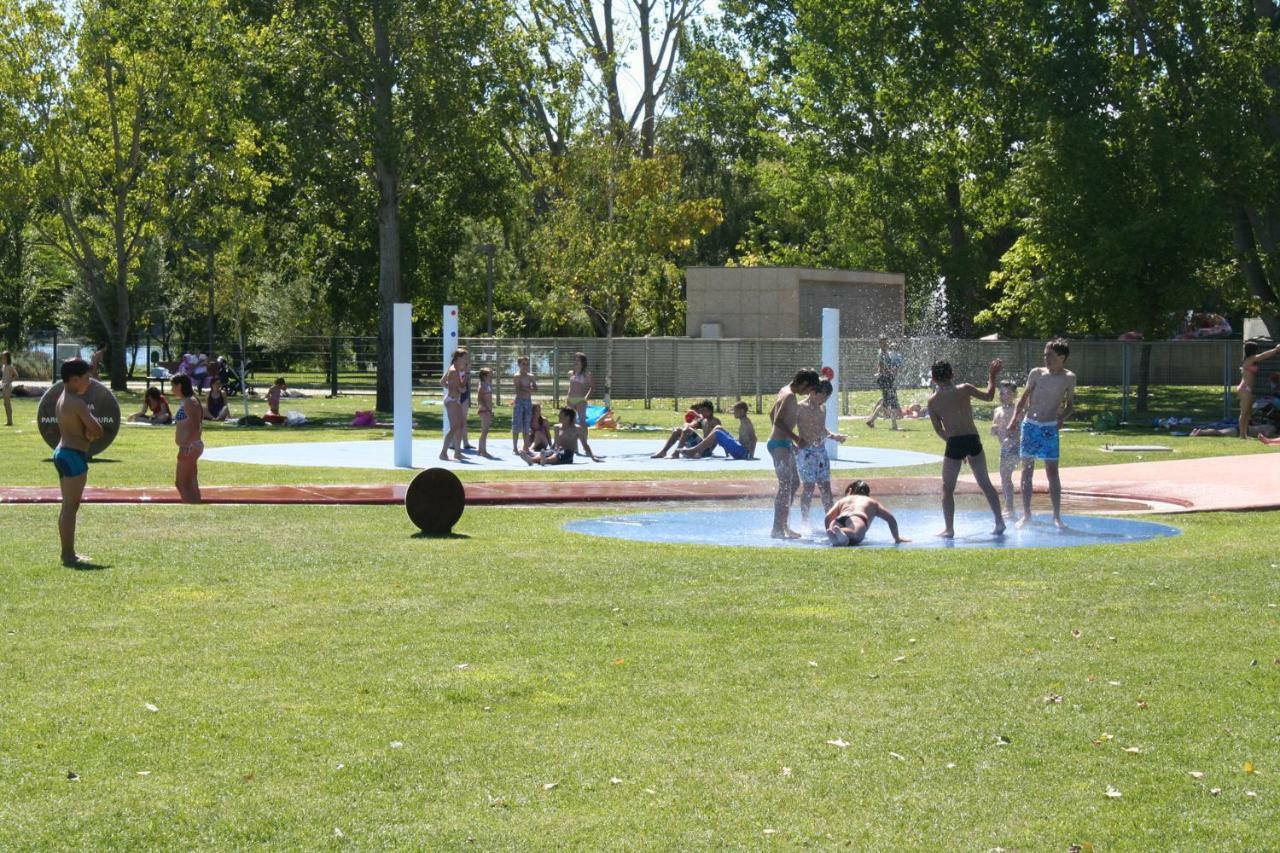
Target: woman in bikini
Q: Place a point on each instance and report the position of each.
(188, 435)
(580, 387)
(452, 384)
(1249, 372)
(848, 519)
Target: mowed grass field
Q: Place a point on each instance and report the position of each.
(311, 677)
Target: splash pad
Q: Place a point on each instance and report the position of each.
(749, 527)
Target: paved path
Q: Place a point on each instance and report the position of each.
(1250, 482)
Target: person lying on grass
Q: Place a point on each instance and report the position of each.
(566, 442)
(848, 519)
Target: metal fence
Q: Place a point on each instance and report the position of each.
(674, 371)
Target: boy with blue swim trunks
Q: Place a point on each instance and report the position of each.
(1045, 403)
(77, 430)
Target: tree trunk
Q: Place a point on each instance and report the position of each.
(1144, 378)
(1251, 266)
(386, 161)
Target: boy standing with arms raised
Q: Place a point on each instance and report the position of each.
(78, 430)
(951, 411)
(1044, 405)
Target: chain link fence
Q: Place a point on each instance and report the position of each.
(672, 372)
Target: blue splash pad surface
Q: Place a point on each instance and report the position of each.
(750, 528)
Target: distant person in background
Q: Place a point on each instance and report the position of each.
(273, 415)
(1253, 354)
(78, 430)
(8, 373)
(187, 434)
(887, 367)
(95, 360)
(155, 409)
(216, 403)
(484, 400)
(200, 373)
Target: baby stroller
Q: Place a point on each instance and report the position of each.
(232, 382)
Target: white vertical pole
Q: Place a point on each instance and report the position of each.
(831, 359)
(402, 384)
(449, 343)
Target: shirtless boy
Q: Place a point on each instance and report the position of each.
(847, 521)
(811, 457)
(685, 437)
(1044, 405)
(1005, 429)
(781, 445)
(951, 410)
(71, 457)
(522, 407)
(566, 443)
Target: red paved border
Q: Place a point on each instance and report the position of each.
(1249, 482)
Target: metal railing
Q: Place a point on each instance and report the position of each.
(675, 371)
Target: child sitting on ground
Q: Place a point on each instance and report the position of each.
(744, 447)
(155, 409)
(561, 453)
(685, 437)
(273, 415)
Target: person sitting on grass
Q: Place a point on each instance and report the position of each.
(685, 436)
(155, 409)
(216, 408)
(566, 442)
(273, 415)
(1262, 430)
(848, 519)
(951, 410)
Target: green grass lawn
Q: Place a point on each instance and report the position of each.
(303, 677)
(319, 670)
(143, 456)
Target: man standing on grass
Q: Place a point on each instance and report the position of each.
(1045, 403)
(78, 430)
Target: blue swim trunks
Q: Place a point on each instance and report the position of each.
(522, 415)
(730, 445)
(813, 464)
(1039, 440)
(70, 463)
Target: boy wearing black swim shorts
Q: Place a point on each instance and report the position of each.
(951, 410)
(78, 430)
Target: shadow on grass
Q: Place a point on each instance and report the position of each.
(87, 566)
(422, 534)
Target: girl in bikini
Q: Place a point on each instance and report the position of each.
(1249, 372)
(848, 519)
(452, 384)
(187, 434)
(484, 397)
(580, 387)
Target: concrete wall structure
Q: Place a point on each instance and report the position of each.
(787, 302)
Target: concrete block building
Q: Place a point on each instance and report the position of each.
(787, 302)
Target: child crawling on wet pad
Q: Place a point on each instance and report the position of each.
(848, 519)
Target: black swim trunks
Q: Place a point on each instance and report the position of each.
(960, 447)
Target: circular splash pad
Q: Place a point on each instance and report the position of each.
(750, 528)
